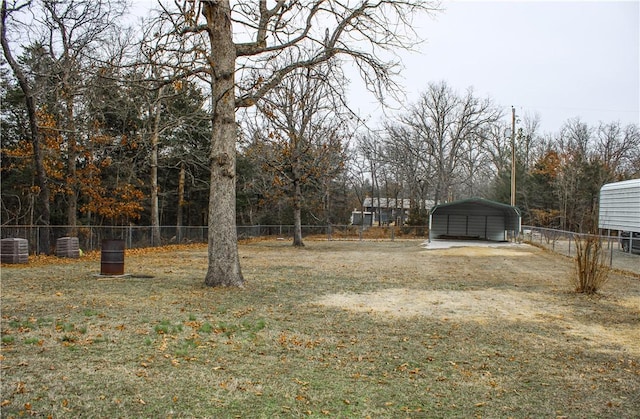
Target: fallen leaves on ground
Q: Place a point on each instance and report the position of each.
(95, 255)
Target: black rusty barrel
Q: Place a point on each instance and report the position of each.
(112, 257)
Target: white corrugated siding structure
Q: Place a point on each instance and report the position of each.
(474, 218)
(620, 206)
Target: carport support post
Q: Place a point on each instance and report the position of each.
(486, 221)
(610, 251)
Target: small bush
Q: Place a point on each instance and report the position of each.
(592, 270)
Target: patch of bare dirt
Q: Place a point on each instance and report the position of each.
(485, 306)
(478, 305)
(498, 304)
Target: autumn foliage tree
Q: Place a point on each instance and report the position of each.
(32, 132)
(114, 203)
(300, 142)
(560, 188)
(59, 44)
(541, 199)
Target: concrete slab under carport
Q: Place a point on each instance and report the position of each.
(448, 244)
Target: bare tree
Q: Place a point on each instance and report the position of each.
(476, 168)
(72, 32)
(300, 143)
(161, 120)
(530, 139)
(449, 124)
(574, 142)
(615, 145)
(406, 151)
(358, 179)
(632, 132)
(158, 71)
(498, 148)
(370, 146)
(311, 33)
(30, 103)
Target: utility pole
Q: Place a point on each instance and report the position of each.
(513, 156)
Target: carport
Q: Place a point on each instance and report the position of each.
(474, 218)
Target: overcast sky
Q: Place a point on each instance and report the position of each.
(558, 59)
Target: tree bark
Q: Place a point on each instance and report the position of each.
(41, 177)
(297, 218)
(155, 136)
(224, 263)
(72, 181)
(179, 215)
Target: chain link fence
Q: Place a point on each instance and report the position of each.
(90, 237)
(564, 242)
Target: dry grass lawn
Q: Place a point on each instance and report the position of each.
(336, 329)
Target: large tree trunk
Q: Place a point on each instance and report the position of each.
(179, 215)
(224, 263)
(155, 211)
(297, 217)
(72, 185)
(43, 193)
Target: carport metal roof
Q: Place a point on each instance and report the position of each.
(480, 206)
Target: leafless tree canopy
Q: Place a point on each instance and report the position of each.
(452, 129)
(299, 138)
(297, 34)
(247, 49)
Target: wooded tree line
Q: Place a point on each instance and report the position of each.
(106, 125)
(451, 145)
(123, 133)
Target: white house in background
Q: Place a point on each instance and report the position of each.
(384, 211)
